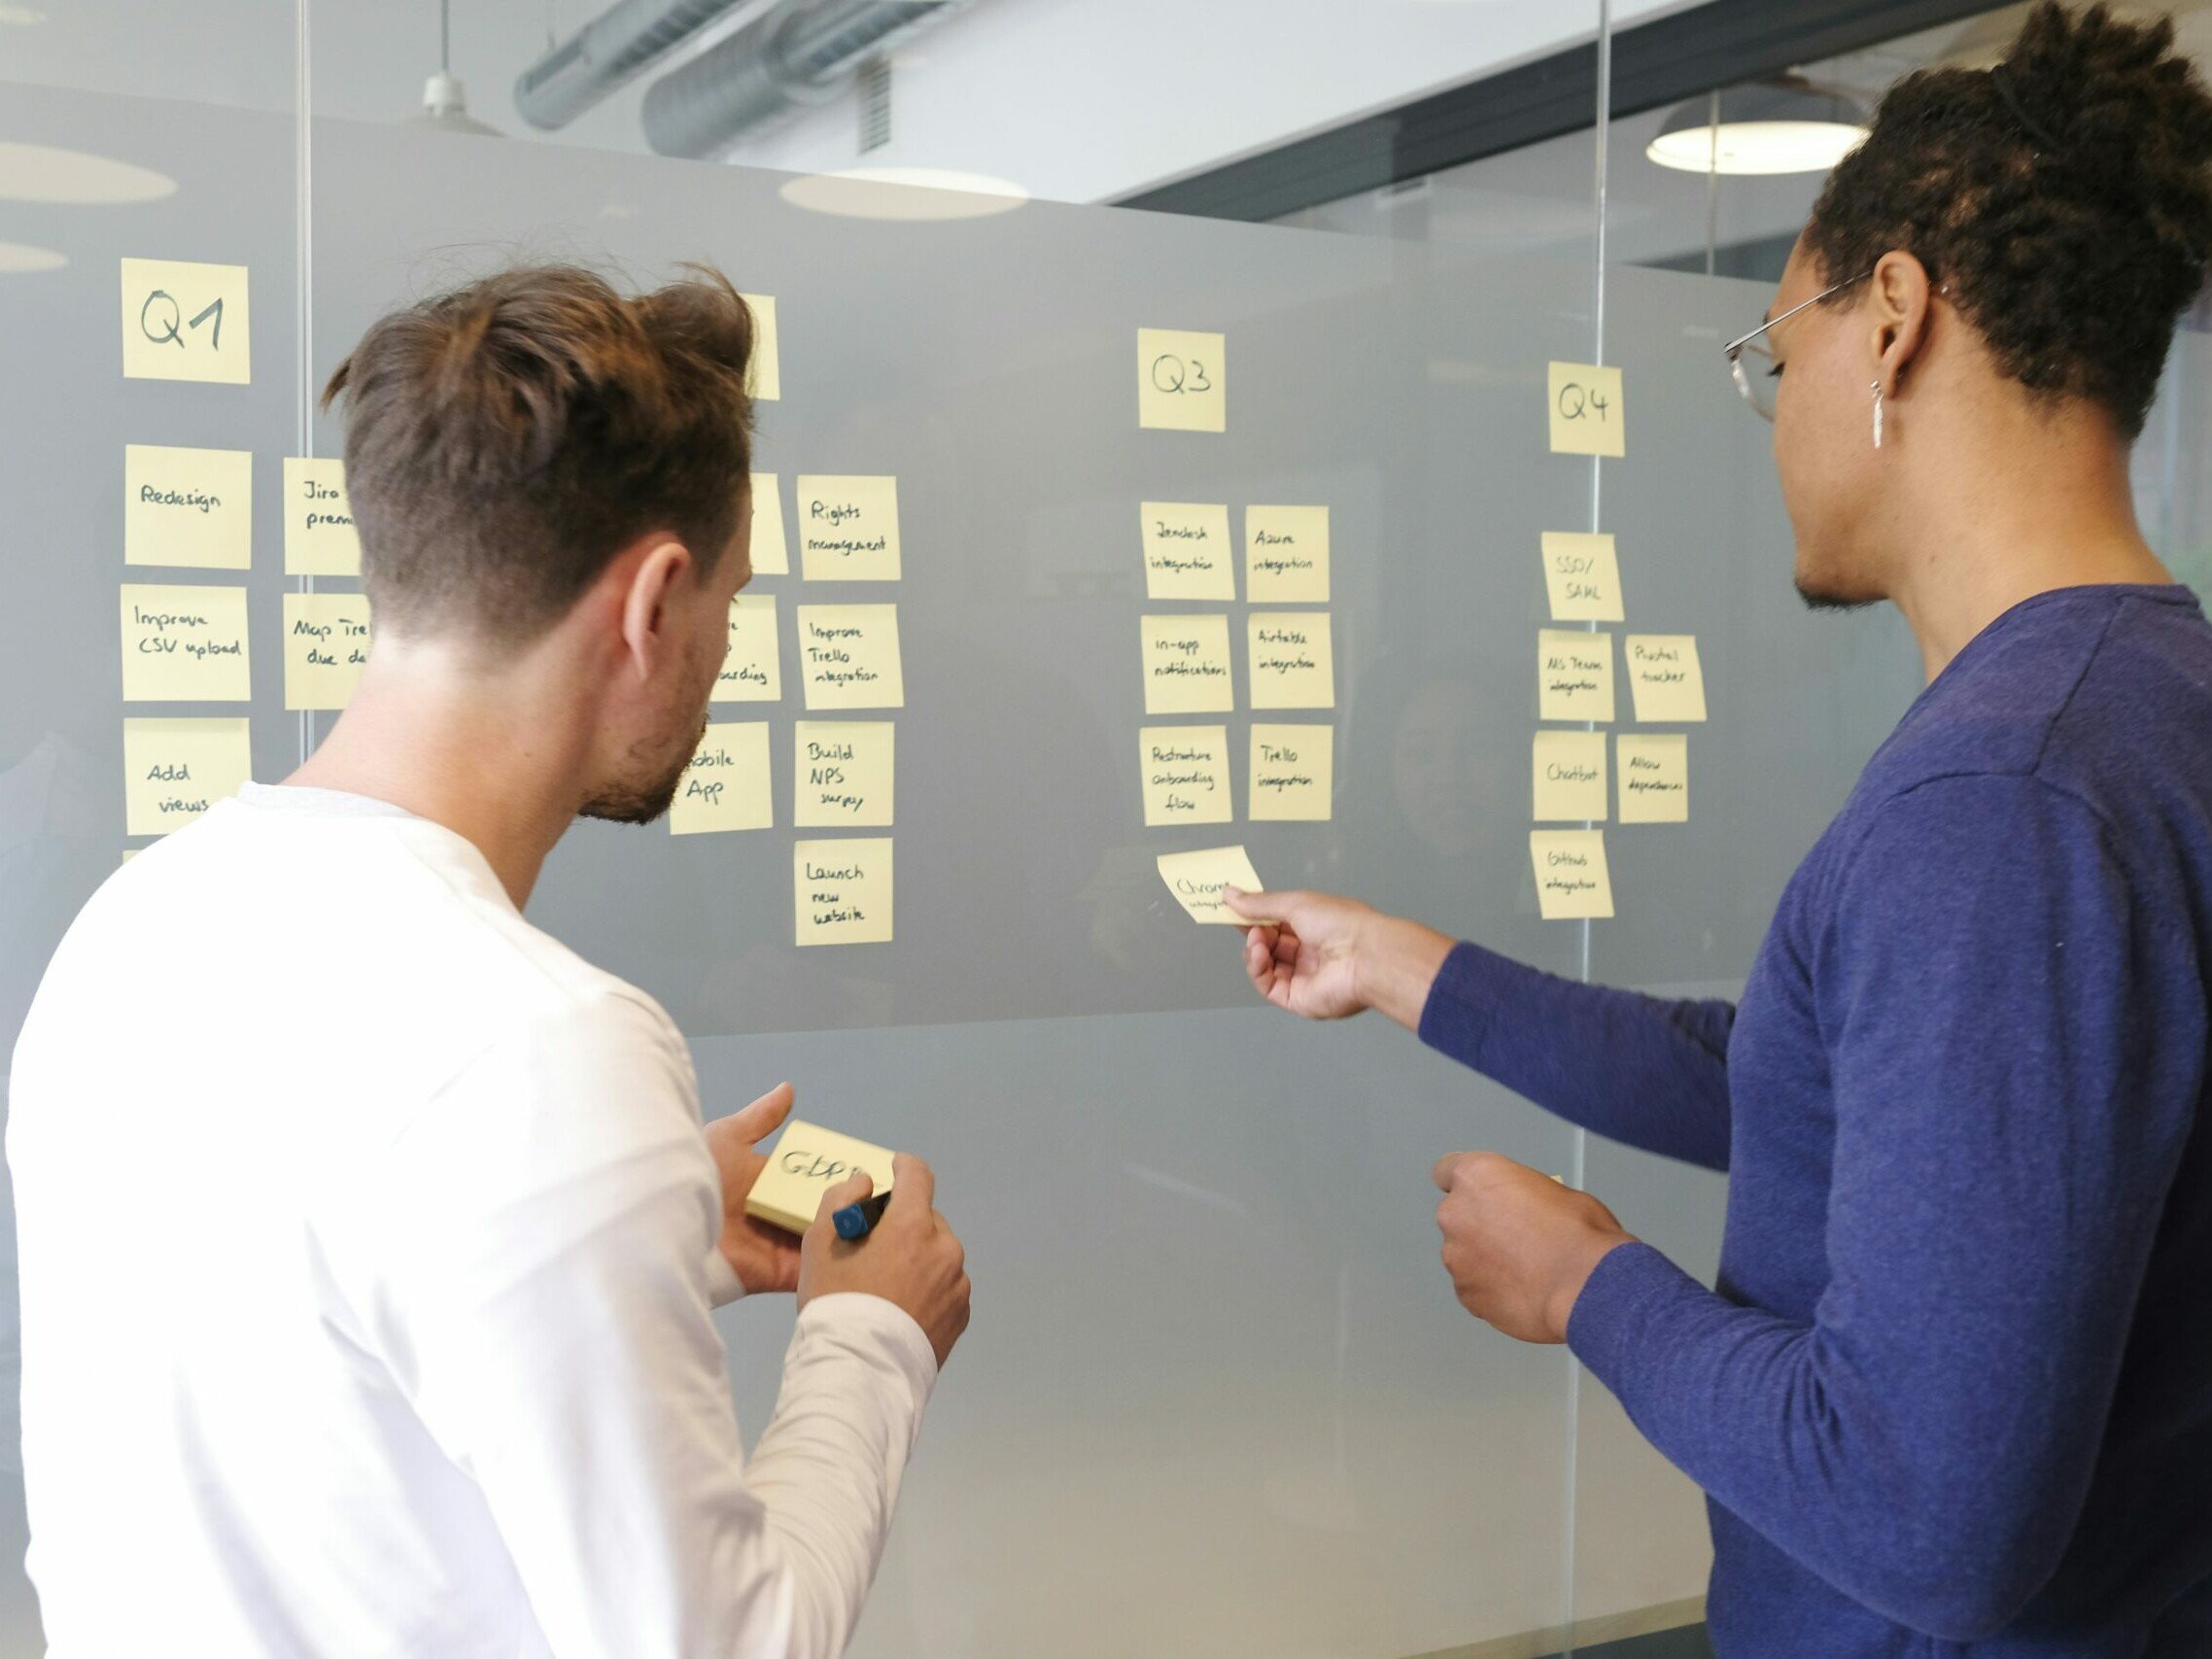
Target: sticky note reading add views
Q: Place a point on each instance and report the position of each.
(849, 529)
(184, 644)
(1196, 879)
(1185, 666)
(807, 1163)
(842, 890)
(175, 770)
(326, 648)
(1286, 555)
(1583, 575)
(725, 787)
(1186, 774)
(1574, 676)
(319, 535)
(1182, 380)
(1186, 551)
(848, 656)
(1571, 879)
(1664, 676)
(1586, 414)
(183, 320)
(191, 507)
(1293, 663)
(1654, 778)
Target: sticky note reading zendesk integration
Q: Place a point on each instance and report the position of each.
(184, 644)
(726, 786)
(1574, 676)
(1186, 551)
(1586, 415)
(844, 891)
(842, 771)
(1292, 773)
(1187, 667)
(764, 372)
(849, 529)
(1196, 879)
(1664, 676)
(175, 770)
(191, 507)
(326, 646)
(752, 666)
(1186, 774)
(1571, 881)
(771, 545)
(319, 535)
(1182, 380)
(1654, 778)
(1582, 573)
(1286, 555)
(806, 1164)
(848, 656)
(1570, 775)
(1294, 664)
(183, 320)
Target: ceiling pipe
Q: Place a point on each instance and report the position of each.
(611, 49)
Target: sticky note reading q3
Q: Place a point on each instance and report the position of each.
(843, 890)
(1571, 879)
(1182, 380)
(188, 508)
(184, 321)
(1186, 551)
(1586, 413)
(1574, 676)
(1664, 676)
(184, 644)
(1184, 775)
(806, 1164)
(1196, 879)
(1582, 575)
(176, 770)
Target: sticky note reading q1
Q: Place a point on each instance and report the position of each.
(184, 320)
(1586, 413)
(1196, 879)
(1182, 380)
(1571, 878)
(807, 1163)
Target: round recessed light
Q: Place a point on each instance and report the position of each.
(40, 172)
(1769, 127)
(911, 194)
(21, 259)
(23, 16)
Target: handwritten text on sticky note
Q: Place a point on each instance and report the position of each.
(319, 535)
(1186, 551)
(184, 320)
(1582, 575)
(1586, 414)
(1569, 776)
(844, 774)
(849, 529)
(1182, 380)
(771, 546)
(1574, 676)
(752, 666)
(1292, 773)
(1196, 879)
(326, 646)
(184, 644)
(1184, 775)
(1571, 878)
(1664, 676)
(1286, 555)
(175, 770)
(1294, 664)
(1654, 778)
(848, 656)
(189, 508)
(1187, 666)
(726, 785)
(842, 890)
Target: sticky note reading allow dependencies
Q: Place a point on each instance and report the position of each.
(1654, 778)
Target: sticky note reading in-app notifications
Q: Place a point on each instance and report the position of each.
(1292, 773)
(771, 546)
(319, 535)
(1286, 555)
(1185, 666)
(184, 644)
(326, 648)
(1583, 575)
(1569, 776)
(806, 1164)
(1654, 778)
(1574, 676)
(1571, 880)
(1186, 774)
(844, 774)
(1664, 676)
(725, 787)
(848, 656)
(184, 321)
(849, 529)
(188, 508)
(1182, 380)
(1196, 879)
(1586, 414)
(764, 372)
(1186, 551)
(175, 770)
(843, 890)
(752, 670)
(1294, 664)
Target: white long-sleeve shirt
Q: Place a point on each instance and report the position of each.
(367, 1247)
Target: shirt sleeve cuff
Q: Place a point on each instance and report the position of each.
(723, 1286)
(1626, 1300)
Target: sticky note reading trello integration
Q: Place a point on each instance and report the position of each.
(1182, 380)
(1574, 676)
(1186, 774)
(849, 529)
(1186, 550)
(1196, 879)
(844, 891)
(1571, 878)
(190, 507)
(1582, 575)
(1664, 676)
(1292, 773)
(807, 1164)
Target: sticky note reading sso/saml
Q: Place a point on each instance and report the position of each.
(1184, 775)
(849, 529)
(1664, 676)
(1182, 380)
(1586, 413)
(1571, 878)
(326, 646)
(188, 508)
(1286, 555)
(319, 535)
(1292, 773)
(1196, 879)
(843, 773)
(1569, 776)
(842, 890)
(771, 549)
(1574, 676)
(806, 1164)
(186, 320)
(1185, 666)
(848, 656)
(1583, 575)
(752, 668)
(726, 785)
(1294, 662)
(1186, 550)
(1654, 778)
(176, 770)
(184, 644)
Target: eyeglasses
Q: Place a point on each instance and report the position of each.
(1758, 381)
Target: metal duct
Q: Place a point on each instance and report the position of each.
(797, 56)
(609, 50)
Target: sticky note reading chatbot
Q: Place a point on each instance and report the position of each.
(807, 1163)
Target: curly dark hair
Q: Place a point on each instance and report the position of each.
(2064, 196)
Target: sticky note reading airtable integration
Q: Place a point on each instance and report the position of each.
(184, 321)
(1574, 676)
(1186, 551)
(1186, 774)
(319, 535)
(1569, 776)
(1196, 879)
(176, 770)
(1654, 778)
(806, 1164)
(771, 546)
(752, 670)
(849, 529)
(1182, 380)
(1294, 664)
(1293, 774)
(184, 644)
(1664, 676)
(848, 656)
(1286, 555)
(1583, 575)
(842, 890)
(1186, 664)
(1571, 880)
(326, 648)
(726, 786)
(188, 508)
(1586, 413)
(843, 773)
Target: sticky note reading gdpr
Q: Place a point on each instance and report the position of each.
(806, 1164)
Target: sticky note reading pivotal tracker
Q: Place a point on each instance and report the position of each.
(1182, 380)
(1571, 880)
(1586, 414)
(1654, 778)
(1186, 551)
(184, 644)
(1582, 573)
(1294, 664)
(848, 656)
(806, 1164)
(725, 787)
(175, 770)
(1664, 676)
(1186, 664)
(1574, 676)
(1286, 555)
(771, 545)
(844, 774)
(184, 320)
(752, 668)
(1293, 774)
(849, 529)
(190, 507)
(1196, 879)
(1569, 776)
(843, 890)
(326, 646)
(319, 535)
(1186, 774)
(764, 373)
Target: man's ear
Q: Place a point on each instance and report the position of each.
(659, 565)
(1898, 299)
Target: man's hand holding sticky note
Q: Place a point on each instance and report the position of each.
(1196, 879)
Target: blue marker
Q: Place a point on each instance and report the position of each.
(854, 1220)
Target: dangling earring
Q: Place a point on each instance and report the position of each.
(1878, 414)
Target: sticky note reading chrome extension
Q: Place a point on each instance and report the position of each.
(807, 1163)
(1196, 879)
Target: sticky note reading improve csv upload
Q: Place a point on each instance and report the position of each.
(752, 668)
(843, 890)
(183, 320)
(1664, 676)
(188, 508)
(319, 535)
(725, 787)
(771, 546)
(1286, 555)
(1294, 664)
(1569, 776)
(849, 529)
(842, 771)
(1583, 575)
(176, 770)
(1654, 778)
(1186, 551)
(184, 644)
(1184, 775)
(1185, 666)
(848, 656)
(1182, 380)
(1574, 676)
(764, 371)
(806, 1164)
(1196, 879)
(1586, 414)
(326, 648)
(1571, 880)
(1293, 774)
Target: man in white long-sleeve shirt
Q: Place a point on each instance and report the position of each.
(420, 1224)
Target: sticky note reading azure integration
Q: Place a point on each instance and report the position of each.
(844, 891)
(319, 536)
(807, 1163)
(1186, 551)
(1586, 413)
(1582, 573)
(1571, 880)
(1182, 380)
(1664, 676)
(725, 787)
(183, 320)
(1574, 676)
(848, 656)
(1186, 664)
(184, 644)
(849, 529)
(1186, 774)
(189, 508)
(176, 770)
(1196, 879)
(1286, 555)
(326, 646)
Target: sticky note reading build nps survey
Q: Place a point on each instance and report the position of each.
(1571, 881)
(1182, 380)
(1186, 774)
(1586, 414)
(1582, 573)
(326, 646)
(806, 1164)
(184, 644)
(725, 787)
(1654, 778)
(849, 529)
(1294, 664)
(1186, 664)
(183, 320)
(1196, 879)
(771, 546)
(1569, 776)
(319, 535)
(175, 770)
(752, 668)
(1292, 773)
(764, 373)
(191, 507)
(1574, 676)
(1286, 555)
(1664, 676)
(848, 656)
(843, 773)
(844, 891)
(1186, 551)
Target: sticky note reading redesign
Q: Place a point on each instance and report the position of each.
(1294, 664)
(1570, 775)
(848, 656)
(184, 320)
(1586, 413)
(844, 774)
(1571, 879)
(843, 890)
(184, 644)
(189, 508)
(1186, 774)
(319, 535)
(726, 786)
(1654, 778)
(1582, 573)
(771, 545)
(1286, 555)
(326, 646)
(849, 529)
(1196, 879)
(1574, 676)
(764, 371)
(1186, 551)
(1664, 676)
(752, 666)
(175, 770)
(1293, 774)
(1187, 667)
(1182, 380)
(806, 1164)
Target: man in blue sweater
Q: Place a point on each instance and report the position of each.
(1953, 1394)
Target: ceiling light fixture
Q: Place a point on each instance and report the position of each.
(21, 259)
(911, 194)
(445, 101)
(41, 172)
(1788, 125)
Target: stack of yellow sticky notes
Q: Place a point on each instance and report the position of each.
(807, 1163)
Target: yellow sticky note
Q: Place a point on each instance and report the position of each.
(842, 892)
(1187, 666)
(1184, 775)
(1196, 879)
(764, 373)
(1586, 415)
(175, 770)
(848, 656)
(184, 320)
(1582, 573)
(1654, 778)
(1182, 380)
(843, 773)
(726, 786)
(752, 666)
(1294, 664)
(1569, 776)
(1664, 676)
(1571, 880)
(319, 535)
(191, 507)
(326, 646)
(771, 545)
(184, 644)
(1186, 551)
(1292, 773)
(806, 1164)
(1574, 676)
(1286, 555)
(849, 529)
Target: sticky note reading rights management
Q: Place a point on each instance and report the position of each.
(1196, 879)
(806, 1164)
(848, 528)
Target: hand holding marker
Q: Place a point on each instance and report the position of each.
(853, 1221)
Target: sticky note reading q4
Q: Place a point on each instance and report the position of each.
(807, 1163)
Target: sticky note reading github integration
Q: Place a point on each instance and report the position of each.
(1196, 879)
(1571, 879)
(808, 1162)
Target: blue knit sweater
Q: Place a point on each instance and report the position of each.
(1953, 1394)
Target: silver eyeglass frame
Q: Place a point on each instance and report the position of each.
(1736, 348)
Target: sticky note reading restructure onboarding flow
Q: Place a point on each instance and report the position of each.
(1184, 775)
(752, 668)
(1293, 774)
(1187, 666)
(1571, 879)
(1574, 676)
(842, 892)
(184, 644)
(326, 646)
(1286, 555)
(1654, 778)
(843, 773)
(1186, 551)
(771, 545)
(319, 535)
(808, 1162)
(764, 371)
(726, 785)
(1196, 879)
(1182, 380)
(1569, 776)
(176, 770)
(184, 321)
(1664, 676)
(849, 529)
(1582, 575)
(1586, 413)
(848, 656)
(1294, 664)
(188, 508)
